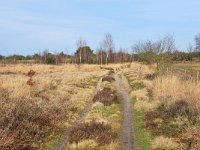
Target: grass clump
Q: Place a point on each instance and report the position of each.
(164, 143)
(167, 120)
(100, 132)
(106, 96)
(24, 122)
(137, 85)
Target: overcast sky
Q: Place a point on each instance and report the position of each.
(30, 26)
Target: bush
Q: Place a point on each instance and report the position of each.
(29, 120)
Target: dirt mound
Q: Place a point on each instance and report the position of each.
(106, 96)
(99, 132)
(108, 78)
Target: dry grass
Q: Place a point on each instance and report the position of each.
(137, 76)
(171, 89)
(171, 106)
(164, 143)
(32, 115)
(194, 65)
(108, 115)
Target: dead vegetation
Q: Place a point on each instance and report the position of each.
(170, 121)
(106, 96)
(100, 132)
(33, 116)
(180, 105)
(30, 81)
(24, 121)
(108, 78)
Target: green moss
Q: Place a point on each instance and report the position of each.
(53, 143)
(107, 111)
(93, 80)
(142, 136)
(137, 85)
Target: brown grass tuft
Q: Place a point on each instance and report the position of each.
(106, 96)
(100, 132)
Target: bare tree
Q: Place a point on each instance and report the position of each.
(197, 41)
(80, 44)
(155, 51)
(108, 46)
(99, 53)
(43, 56)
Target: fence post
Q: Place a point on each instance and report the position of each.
(197, 77)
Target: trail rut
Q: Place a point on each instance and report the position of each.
(65, 139)
(127, 138)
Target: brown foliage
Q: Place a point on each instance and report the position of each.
(30, 81)
(99, 132)
(24, 121)
(106, 96)
(31, 73)
(108, 78)
(192, 137)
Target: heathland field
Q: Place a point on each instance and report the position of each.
(86, 107)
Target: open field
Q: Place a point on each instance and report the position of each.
(188, 65)
(36, 114)
(90, 107)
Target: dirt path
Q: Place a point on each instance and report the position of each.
(127, 141)
(64, 141)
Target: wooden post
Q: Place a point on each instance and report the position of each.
(185, 71)
(197, 77)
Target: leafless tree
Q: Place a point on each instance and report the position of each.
(43, 56)
(197, 41)
(108, 46)
(156, 51)
(80, 44)
(99, 53)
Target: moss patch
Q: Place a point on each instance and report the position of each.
(143, 136)
(137, 85)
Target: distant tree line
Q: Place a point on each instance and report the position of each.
(158, 52)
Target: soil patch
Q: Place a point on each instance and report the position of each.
(106, 96)
(108, 78)
(100, 132)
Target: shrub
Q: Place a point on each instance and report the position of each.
(28, 120)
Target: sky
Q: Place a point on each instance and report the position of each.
(31, 26)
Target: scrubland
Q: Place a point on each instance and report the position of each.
(166, 107)
(34, 116)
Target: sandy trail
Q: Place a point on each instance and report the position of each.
(64, 141)
(127, 139)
